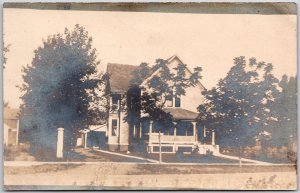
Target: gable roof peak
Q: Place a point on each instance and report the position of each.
(169, 60)
(175, 56)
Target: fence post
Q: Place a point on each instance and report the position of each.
(60, 143)
(213, 138)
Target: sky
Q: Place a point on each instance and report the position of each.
(211, 41)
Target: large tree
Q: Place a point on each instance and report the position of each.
(59, 87)
(239, 108)
(286, 130)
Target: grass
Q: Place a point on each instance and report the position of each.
(185, 158)
(38, 169)
(204, 169)
(18, 153)
(21, 153)
(91, 155)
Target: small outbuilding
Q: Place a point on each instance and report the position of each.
(94, 136)
(11, 126)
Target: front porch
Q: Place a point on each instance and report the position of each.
(182, 137)
(183, 141)
(181, 134)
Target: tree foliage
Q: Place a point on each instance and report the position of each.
(285, 131)
(6, 49)
(241, 107)
(163, 83)
(59, 87)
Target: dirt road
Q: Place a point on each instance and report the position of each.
(146, 176)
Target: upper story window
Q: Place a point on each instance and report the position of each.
(173, 101)
(114, 102)
(177, 102)
(169, 101)
(114, 99)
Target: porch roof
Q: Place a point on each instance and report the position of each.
(181, 114)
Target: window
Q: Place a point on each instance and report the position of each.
(177, 102)
(114, 99)
(114, 127)
(170, 131)
(114, 102)
(184, 128)
(180, 129)
(156, 127)
(169, 100)
(173, 101)
(169, 103)
(189, 129)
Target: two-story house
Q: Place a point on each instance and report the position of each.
(124, 134)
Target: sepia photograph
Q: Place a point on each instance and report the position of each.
(150, 96)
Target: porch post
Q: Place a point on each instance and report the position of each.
(141, 126)
(150, 132)
(174, 145)
(175, 124)
(194, 130)
(204, 131)
(140, 131)
(134, 131)
(150, 126)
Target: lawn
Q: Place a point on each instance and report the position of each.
(186, 158)
(21, 153)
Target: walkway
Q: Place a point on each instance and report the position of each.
(243, 159)
(128, 156)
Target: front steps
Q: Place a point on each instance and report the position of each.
(204, 149)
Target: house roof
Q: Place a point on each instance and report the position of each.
(10, 113)
(120, 76)
(181, 114)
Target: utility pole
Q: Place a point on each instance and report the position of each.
(159, 140)
(240, 158)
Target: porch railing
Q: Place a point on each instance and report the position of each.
(171, 139)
